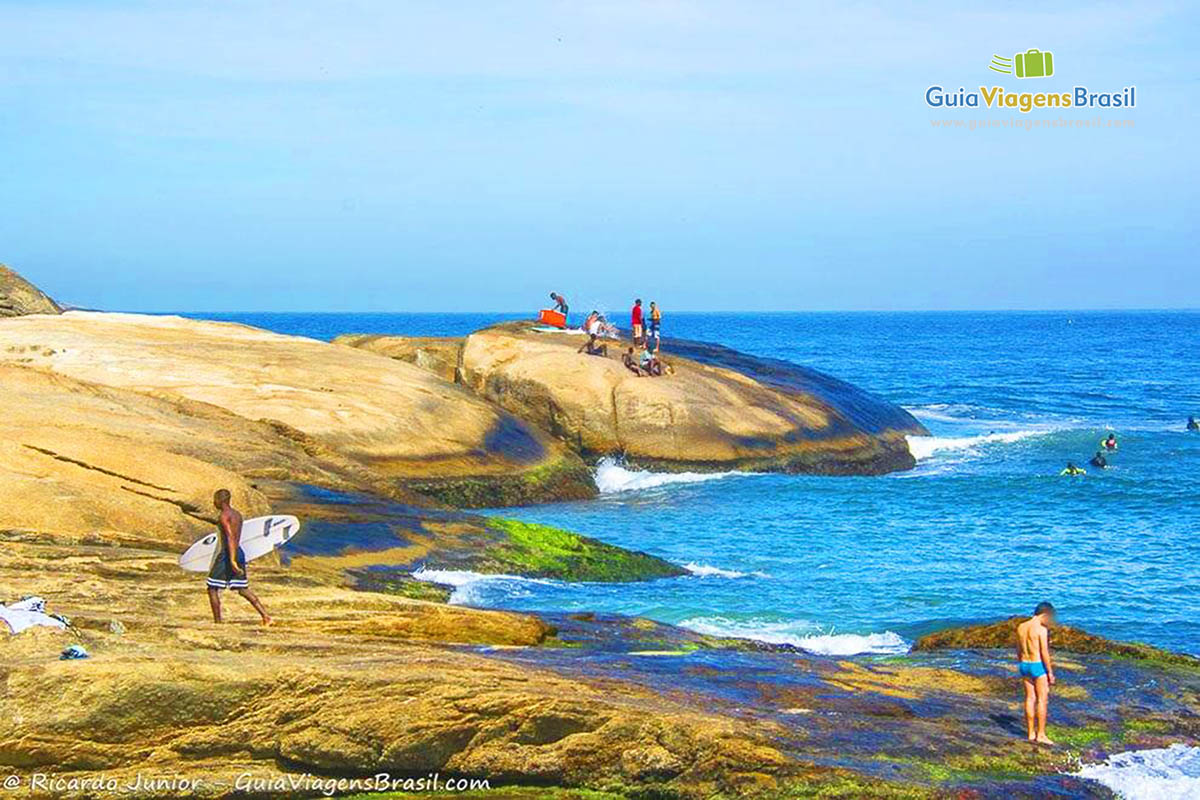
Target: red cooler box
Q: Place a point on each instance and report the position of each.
(548, 316)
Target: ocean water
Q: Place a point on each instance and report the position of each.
(983, 527)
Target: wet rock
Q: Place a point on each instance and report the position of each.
(1002, 635)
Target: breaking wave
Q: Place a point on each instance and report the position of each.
(474, 588)
(705, 571)
(1150, 774)
(922, 447)
(612, 477)
(805, 635)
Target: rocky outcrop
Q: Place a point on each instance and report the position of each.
(394, 420)
(437, 354)
(19, 297)
(1002, 635)
(349, 684)
(379, 543)
(718, 409)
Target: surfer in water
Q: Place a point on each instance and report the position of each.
(1035, 669)
(1192, 425)
(229, 567)
(1073, 470)
(1099, 461)
(1110, 444)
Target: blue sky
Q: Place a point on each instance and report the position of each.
(474, 156)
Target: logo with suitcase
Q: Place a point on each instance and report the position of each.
(1033, 63)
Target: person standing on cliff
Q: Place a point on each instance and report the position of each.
(635, 319)
(655, 324)
(229, 567)
(1036, 669)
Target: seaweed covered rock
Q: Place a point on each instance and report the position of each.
(19, 297)
(380, 543)
(1002, 635)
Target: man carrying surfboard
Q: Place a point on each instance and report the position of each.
(229, 567)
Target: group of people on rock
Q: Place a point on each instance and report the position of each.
(642, 358)
(646, 335)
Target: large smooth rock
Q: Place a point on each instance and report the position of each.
(437, 354)
(19, 297)
(719, 409)
(343, 683)
(396, 420)
(92, 461)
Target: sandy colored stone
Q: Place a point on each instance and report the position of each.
(91, 461)
(394, 418)
(19, 297)
(346, 682)
(698, 416)
(436, 354)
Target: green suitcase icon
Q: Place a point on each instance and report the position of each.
(1034, 63)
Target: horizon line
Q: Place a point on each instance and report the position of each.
(1080, 310)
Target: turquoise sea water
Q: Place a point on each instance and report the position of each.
(983, 527)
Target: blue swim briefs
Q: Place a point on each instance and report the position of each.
(1031, 669)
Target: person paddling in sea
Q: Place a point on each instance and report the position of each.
(1036, 669)
(1099, 461)
(1110, 444)
(1073, 470)
(229, 567)
(1192, 425)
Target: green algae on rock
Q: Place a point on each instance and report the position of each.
(540, 551)
(565, 478)
(1002, 635)
(378, 543)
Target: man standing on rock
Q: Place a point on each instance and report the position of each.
(1036, 670)
(229, 567)
(635, 319)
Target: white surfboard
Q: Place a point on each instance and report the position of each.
(260, 536)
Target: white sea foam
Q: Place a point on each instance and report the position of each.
(706, 571)
(470, 586)
(805, 635)
(1150, 774)
(613, 477)
(923, 447)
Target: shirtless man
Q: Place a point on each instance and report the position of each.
(229, 572)
(1037, 673)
